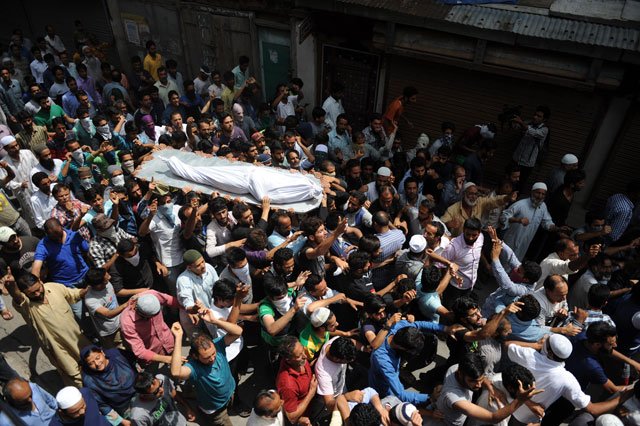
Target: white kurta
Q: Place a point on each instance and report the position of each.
(518, 236)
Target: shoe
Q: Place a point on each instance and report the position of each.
(240, 409)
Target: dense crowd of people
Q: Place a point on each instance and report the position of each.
(152, 301)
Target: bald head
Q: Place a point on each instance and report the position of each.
(18, 394)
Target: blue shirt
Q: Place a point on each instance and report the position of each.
(46, 407)
(65, 262)
(275, 239)
(585, 365)
(384, 374)
(528, 331)
(214, 383)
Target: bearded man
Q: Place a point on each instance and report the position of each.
(471, 205)
(523, 218)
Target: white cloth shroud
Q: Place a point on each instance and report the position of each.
(255, 180)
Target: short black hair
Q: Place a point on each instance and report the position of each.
(235, 255)
(282, 255)
(410, 341)
(95, 276)
(532, 271)
(409, 91)
(472, 365)
(598, 296)
(515, 374)
(373, 303)
(462, 306)
(358, 260)
(530, 308)
(365, 415)
(369, 244)
(223, 289)
(473, 224)
(544, 110)
(144, 380)
(343, 349)
(599, 331)
(312, 281)
(431, 276)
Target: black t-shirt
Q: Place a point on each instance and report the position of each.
(125, 275)
(23, 258)
(459, 347)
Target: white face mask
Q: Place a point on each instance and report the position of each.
(134, 260)
(283, 305)
(86, 183)
(78, 155)
(86, 123)
(104, 131)
(117, 180)
(243, 274)
(129, 166)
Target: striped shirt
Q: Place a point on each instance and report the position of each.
(619, 210)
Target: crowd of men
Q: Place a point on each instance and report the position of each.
(151, 302)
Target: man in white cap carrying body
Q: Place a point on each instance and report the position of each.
(556, 177)
(78, 407)
(471, 205)
(21, 162)
(547, 367)
(523, 218)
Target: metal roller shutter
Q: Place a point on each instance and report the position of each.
(467, 97)
(623, 159)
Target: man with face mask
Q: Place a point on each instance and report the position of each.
(243, 121)
(163, 224)
(76, 159)
(116, 177)
(131, 273)
(29, 402)
(78, 407)
(522, 219)
(239, 271)
(45, 307)
(102, 249)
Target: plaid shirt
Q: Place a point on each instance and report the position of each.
(595, 316)
(101, 249)
(67, 217)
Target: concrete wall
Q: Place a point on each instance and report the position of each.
(305, 66)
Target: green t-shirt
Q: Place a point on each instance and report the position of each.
(44, 118)
(311, 342)
(267, 308)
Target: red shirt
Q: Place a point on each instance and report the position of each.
(293, 385)
(393, 113)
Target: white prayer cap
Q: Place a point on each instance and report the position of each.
(608, 420)
(467, 185)
(384, 171)
(635, 320)
(68, 397)
(6, 233)
(148, 305)
(417, 244)
(569, 159)
(539, 185)
(7, 140)
(320, 316)
(322, 148)
(403, 413)
(560, 345)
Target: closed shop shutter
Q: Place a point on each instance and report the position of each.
(467, 97)
(623, 160)
(38, 13)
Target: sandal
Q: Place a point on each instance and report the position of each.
(6, 314)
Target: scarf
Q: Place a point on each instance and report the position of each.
(112, 387)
